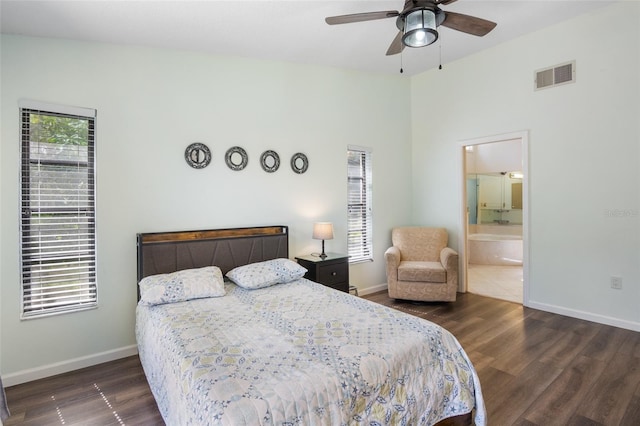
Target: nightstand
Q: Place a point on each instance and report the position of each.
(332, 271)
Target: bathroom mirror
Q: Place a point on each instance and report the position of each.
(495, 197)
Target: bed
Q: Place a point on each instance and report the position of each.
(289, 352)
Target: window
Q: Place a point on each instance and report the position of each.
(359, 192)
(58, 250)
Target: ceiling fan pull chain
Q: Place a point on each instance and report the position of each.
(401, 70)
(440, 45)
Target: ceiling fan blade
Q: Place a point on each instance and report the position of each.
(467, 24)
(359, 17)
(396, 45)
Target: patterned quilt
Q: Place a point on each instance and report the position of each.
(301, 354)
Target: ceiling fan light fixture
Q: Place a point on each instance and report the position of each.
(420, 28)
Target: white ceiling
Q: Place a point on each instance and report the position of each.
(284, 30)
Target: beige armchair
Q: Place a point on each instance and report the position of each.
(420, 266)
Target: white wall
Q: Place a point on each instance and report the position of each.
(504, 156)
(584, 155)
(151, 104)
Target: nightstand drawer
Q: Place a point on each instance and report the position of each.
(343, 286)
(331, 270)
(333, 274)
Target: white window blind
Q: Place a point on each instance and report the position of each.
(58, 250)
(359, 190)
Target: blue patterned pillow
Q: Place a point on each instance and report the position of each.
(182, 285)
(265, 274)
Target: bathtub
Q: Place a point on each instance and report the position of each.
(495, 249)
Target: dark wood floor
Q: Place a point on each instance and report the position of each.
(535, 368)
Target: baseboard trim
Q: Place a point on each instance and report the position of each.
(588, 316)
(31, 374)
(373, 289)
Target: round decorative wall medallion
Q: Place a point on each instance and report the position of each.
(299, 163)
(236, 158)
(270, 161)
(197, 155)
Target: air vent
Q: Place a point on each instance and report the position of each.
(556, 75)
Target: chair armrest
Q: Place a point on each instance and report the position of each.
(449, 258)
(392, 257)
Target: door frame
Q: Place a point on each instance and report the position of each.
(524, 140)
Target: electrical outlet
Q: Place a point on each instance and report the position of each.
(616, 282)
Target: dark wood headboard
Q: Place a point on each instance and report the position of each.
(165, 252)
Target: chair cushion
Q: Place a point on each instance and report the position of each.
(419, 243)
(422, 271)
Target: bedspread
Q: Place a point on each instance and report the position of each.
(301, 354)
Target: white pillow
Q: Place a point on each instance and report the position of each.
(267, 273)
(182, 285)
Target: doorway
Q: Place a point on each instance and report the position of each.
(495, 217)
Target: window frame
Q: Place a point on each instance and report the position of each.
(360, 203)
(79, 251)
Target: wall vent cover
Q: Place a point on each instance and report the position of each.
(555, 76)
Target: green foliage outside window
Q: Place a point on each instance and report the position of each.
(58, 130)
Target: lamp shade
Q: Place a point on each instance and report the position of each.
(323, 231)
(420, 28)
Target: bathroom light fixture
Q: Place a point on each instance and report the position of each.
(420, 28)
(516, 175)
(323, 231)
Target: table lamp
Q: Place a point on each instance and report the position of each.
(323, 231)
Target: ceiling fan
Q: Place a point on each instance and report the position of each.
(418, 21)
